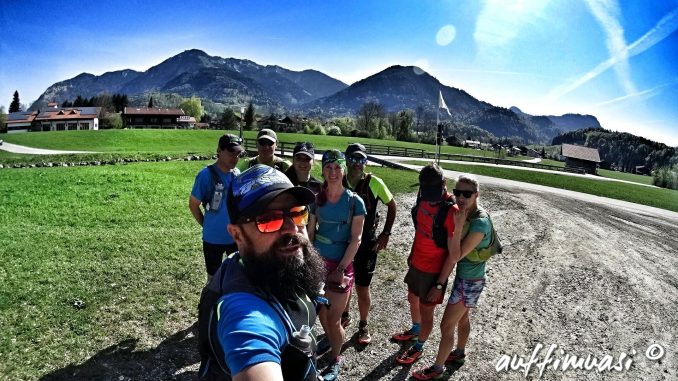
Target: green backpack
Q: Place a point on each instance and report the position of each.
(495, 246)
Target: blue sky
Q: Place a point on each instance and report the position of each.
(617, 60)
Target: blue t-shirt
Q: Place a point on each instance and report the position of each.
(333, 232)
(250, 331)
(214, 224)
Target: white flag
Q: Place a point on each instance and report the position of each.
(441, 103)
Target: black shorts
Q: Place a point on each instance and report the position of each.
(214, 254)
(364, 263)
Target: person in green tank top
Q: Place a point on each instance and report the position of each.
(473, 230)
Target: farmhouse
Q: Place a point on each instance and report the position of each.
(471, 143)
(580, 158)
(67, 119)
(54, 119)
(144, 117)
(20, 121)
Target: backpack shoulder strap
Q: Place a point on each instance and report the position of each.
(351, 205)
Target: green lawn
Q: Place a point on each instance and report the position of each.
(181, 142)
(119, 238)
(626, 176)
(657, 197)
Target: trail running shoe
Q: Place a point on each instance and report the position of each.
(332, 372)
(405, 336)
(429, 373)
(364, 337)
(455, 357)
(409, 356)
(345, 320)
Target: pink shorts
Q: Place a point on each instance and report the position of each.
(349, 277)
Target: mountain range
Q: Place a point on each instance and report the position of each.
(231, 82)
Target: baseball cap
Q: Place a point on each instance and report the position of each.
(266, 133)
(231, 143)
(355, 149)
(431, 180)
(252, 191)
(304, 148)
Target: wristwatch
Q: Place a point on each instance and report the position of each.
(439, 286)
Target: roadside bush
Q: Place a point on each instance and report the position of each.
(359, 134)
(334, 131)
(665, 177)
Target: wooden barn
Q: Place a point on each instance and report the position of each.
(580, 159)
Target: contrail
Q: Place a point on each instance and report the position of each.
(667, 25)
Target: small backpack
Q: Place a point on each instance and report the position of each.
(495, 246)
(439, 234)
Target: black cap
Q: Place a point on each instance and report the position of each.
(231, 143)
(304, 148)
(356, 149)
(431, 179)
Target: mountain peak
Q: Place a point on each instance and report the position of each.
(193, 52)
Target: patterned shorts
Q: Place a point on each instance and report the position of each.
(467, 291)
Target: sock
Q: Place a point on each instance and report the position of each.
(459, 351)
(362, 324)
(344, 315)
(415, 328)
(419, 345)
(337, 360)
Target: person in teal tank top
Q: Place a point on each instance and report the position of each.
(335, 229)
(473, 231)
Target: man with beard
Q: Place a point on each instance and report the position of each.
(267, 290)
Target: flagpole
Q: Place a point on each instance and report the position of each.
(437, 131)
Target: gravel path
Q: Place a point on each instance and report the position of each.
(15, 148)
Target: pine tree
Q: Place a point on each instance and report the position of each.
(15, 106)
(150, 103)
(249, 117)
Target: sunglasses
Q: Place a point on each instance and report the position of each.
(265, 142)
(357, 160)
(467, 194)
(273, 220)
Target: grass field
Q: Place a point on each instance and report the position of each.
(184, 142)
(118, 238)
(657, 197)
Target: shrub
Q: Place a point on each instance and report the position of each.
(334, 131)
(665, 177)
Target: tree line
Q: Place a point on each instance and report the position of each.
(624, 152)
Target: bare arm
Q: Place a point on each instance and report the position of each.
(194, 206)
(382, 240)
(264, 371)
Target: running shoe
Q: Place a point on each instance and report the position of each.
(409, 356)
(456, 357)
(364, 337)
(405, 336)
(429, 373)
(332, 372)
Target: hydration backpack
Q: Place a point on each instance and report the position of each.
(495, 246)
(438, 234)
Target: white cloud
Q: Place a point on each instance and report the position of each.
(500, 21)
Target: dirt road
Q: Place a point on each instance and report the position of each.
(587, 276)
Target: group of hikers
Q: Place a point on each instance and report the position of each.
(295, 246)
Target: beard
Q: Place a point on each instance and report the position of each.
(285, 276)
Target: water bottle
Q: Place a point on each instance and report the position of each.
(302, 340)
(216, 197)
